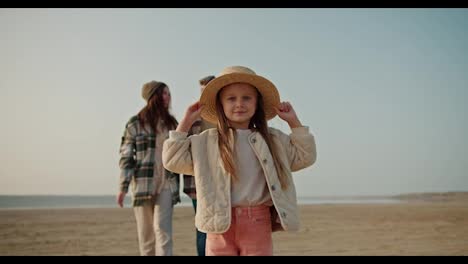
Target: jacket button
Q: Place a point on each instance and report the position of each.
(254, 140)
(265, 161)
(283, 214)
(273, 187)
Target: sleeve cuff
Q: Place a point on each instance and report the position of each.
(124, 188)
(177, 135)
(300, 130)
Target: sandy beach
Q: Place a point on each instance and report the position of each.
(431, 224)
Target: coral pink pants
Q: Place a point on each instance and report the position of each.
(248, 235)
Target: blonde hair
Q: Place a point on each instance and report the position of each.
(226, 142)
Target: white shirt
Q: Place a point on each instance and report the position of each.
(250, 189)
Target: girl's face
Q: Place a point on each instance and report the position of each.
(239, 101)
(166, 97)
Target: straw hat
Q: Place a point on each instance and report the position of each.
(238, 74)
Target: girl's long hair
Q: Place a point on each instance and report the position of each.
(154, 111)
(226, 142)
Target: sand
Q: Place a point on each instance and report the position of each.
(430, 224)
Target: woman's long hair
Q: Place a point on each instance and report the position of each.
(154, 111)
(226, 142)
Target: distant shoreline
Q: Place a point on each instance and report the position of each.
(12, 202)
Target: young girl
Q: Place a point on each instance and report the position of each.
(242, 168)
(155, 190)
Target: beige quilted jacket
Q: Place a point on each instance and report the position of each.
(198, 155)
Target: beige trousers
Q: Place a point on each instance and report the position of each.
(154, 226)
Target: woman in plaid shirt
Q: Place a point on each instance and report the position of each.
(155, 190)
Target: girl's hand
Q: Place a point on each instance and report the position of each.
(286, 112)
(193, 111)
(192, 114)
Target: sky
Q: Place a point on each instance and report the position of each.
(384, 91)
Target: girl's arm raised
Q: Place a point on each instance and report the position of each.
(177, 154)
(300, 145)
(192, 114)
(286, 112)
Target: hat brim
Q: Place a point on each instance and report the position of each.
(267, 89)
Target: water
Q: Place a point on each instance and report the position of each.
(108, 201)
(59, 201)
(347, 200)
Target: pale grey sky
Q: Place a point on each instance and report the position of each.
(383, 90)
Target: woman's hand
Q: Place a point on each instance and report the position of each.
(120, 198)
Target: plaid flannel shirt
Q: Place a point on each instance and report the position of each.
(137, 162)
